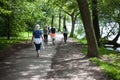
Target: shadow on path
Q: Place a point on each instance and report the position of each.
(70, 64)
(24, 65)
(61, 61)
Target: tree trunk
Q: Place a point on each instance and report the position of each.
(73, 25)
(88, 26)
(59, 29)
(117, 36)
(8, 28)
(95, 20)
(52, 22)
(64, 21)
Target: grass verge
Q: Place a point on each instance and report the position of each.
(4, 43)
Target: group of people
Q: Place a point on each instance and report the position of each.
(40, 36)
(47, 31)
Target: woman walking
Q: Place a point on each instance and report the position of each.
(37, 38)
(65, 33)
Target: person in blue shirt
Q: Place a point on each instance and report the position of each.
(37, 38)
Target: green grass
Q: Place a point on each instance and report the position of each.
(104, 51)
(82, 41)
(25, 35)
(4, 43)
(111, 70)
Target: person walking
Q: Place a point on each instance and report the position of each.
(65, 34)
(45, 32)
(37, 38)
(52, 33)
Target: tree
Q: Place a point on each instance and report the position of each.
(5, 14)
(95, 20)
(109, 12)
(19, 15)
(59, 28)
(88, 26)
(70, 8)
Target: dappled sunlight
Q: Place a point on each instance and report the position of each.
(70, 64)
(24, 65)
(36, 77)
(25, 73)
(8, 62)
(34, 67)
(74, 69)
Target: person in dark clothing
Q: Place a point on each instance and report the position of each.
(45, 32)
(65, 33)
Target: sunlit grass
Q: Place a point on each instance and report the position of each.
(81, 41)
(111, 70)
(6, 43)
(23, 36)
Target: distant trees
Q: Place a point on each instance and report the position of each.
(70, 8)
(19, 15)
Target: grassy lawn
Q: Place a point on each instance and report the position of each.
(4, 43)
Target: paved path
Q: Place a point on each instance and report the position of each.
(24, 65)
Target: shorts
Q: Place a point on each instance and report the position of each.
(52, 35)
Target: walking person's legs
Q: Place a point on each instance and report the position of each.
(53, 38)
(46, 39)
(65, 38)
(53, 41)
(38, 46)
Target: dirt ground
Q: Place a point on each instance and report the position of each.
(70, 64)
(58, 62)
(15, 48)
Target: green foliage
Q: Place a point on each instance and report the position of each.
(25, 35)
(103, 41)
(75, 36)
(83, 41)
(6, 43)
(109, 12)
(104, 51)
(84, 49)
(3, 8)
(20, 15)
